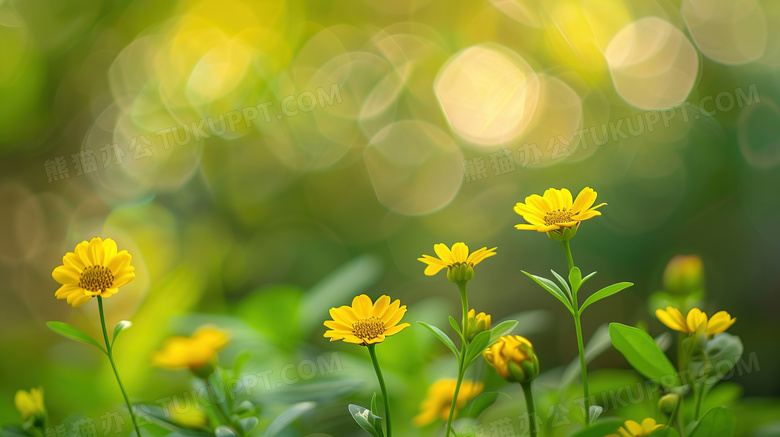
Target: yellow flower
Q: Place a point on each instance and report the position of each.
(476, 323)
(555, 211)
(365, 322)
(633, 429)
(30, 403)
(695, 321)
(513, 358)
(197, 353)
(189, 417)
(439, 399)
(458, 262)
(93, 269)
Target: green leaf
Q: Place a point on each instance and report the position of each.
(718, 422)
(475, 348)
(595, 412)
(482, 403)
(585, 279)
(121, 326)
(563, 283)
(605, 292)
(718, 357)
(600, 429)
(501, 329)
(442, 337)
(365, 419)
(552, 289)
(240, 362)
(247, 424)
(287, 417)
(225, 431)
(455, 326)
(643, 354)
(73, 333)
(373, 403)
(575, 278)
(665, 432)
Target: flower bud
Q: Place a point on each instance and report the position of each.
(460, 272)
(30, 404)
(513, 358)
(476, 323)
(668, 403)
(684, 274)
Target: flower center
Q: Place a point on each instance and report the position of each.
(96, 278)
(556, 217)
(369, 328)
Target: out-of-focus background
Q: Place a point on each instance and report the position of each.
(263, 161)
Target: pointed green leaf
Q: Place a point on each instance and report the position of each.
(247, 424)
(718, 422)
(121, 326)
(73, 333)
(442, 337)
(225, 431)
(501, 329)
(455, 326)
(575, 278)
(605, 292)
(365, 419)
(287, 417)
(563, 283)
(476, 347)
(552, 289)
(482, 402)
(643, 354)
(585, 279)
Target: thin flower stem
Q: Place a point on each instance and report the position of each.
(110, 354)
(698, 401)
(580, 343)
(382, 386)
(213, 396)
(529, 402)
(674, 413)
(464, 300)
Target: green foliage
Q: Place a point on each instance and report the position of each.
(73, 333)
(718, 422)
(366, 419)
(641, 351)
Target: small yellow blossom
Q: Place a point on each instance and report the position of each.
(513, 358)
(555, 211)
(94, 268)
(437, 402)
(476, 323)
(633, 429)
(695, 321)
(197, 353)
(458, 262)
(30, 403)
(365, 322)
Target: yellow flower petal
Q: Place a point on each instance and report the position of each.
(719, 322)
(696, 319)
(362, 306)
(584, 200)
(65, 275)
(444, 253)
(672, 318)
(365, 322)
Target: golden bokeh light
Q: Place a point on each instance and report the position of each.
(727, 31)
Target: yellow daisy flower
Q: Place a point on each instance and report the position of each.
(30, 403)
(633, 429)
(458, 260)
(555, 210)
(696, 320)
(439, 399)
(197, 353)
(93, 269)
(513, 358)
(365, 322)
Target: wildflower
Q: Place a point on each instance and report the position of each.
(475, 324)
(458, 262)
(695, 321)
(30, 404)
(366, 323)
(684, 274)
(197, 353)
(556, 214)
(633, 429)
(92, 269)
(513, 358)
(668, 403)
(437, 402)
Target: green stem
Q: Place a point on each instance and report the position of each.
(110, 354)
(580, 343)
(464, 300)
(222, 416)
(529, 402)
(382, 386)
(698, 401)
(674, 413)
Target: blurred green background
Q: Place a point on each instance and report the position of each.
(263, 161)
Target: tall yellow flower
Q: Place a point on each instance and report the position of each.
(633, 429)
(696, 320)
(458, 262)
(556, 211)
(30, 403)
(366, 323)
(436, 404)
(197, 353)
(94, 268)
